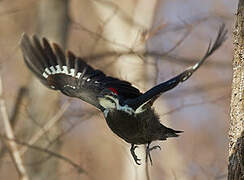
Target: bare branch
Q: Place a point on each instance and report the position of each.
(13, 149)
(97, 35)
(122, 14)
(46, 128)
(183, 106)
(14, 115)
(148, 34)
(172, 58)
(51, 153)
(21, 94)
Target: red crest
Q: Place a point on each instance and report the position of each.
(113, 90)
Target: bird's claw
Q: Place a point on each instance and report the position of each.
(148, 150)
(132, 150)
(136, 159)
(155, 147)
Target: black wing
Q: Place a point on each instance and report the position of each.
(70, 74)
(151, 95)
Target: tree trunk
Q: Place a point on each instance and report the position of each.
(132, 68)
(236, 145)
(52, 22)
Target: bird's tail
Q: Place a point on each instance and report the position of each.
(168, 132)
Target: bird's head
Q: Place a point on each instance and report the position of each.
(109, 98)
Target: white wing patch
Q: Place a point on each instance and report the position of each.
(52, 70)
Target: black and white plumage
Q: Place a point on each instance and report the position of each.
(127, 111)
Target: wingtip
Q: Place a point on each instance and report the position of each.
(26, 40)
(23, 38)
(23, 35)
(35, 37)
(70, 54)
(176, 131)
(221, 37)
(23, 42)
(56, 47)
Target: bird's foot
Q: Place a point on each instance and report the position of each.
(132, 151)
(148, 150)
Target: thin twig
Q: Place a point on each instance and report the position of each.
(172, 58)
(14, 115)
(72, 126)
(183, 106)
(147, 169)
(46, 128)
(180, 41)
(53, 154)
(17, 105)
(121, 13)
(149, 34)
(77, 25)
(12, 146)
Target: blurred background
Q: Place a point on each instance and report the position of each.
(144, 42)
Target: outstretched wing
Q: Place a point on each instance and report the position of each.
(151, 95)
(70, 74)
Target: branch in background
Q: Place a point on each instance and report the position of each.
(184, 106)
(77, 25)
(15, 9)
(172, 49)
(121, 13)
(20, 96)
(46, 128)
(207, 87)
(40, 133)
(146, 35)
(101, 29)
(13, 119)
(51, 153)
(156, 54)
(171, 58)
(85, 116)
(51, 20)
(12, 147)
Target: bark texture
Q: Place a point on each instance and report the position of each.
(236, 146)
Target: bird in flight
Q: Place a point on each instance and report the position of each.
(127, 111)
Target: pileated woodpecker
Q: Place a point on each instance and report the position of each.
(128, 112)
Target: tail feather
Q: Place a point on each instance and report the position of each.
(168, 132)
(173, 133)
